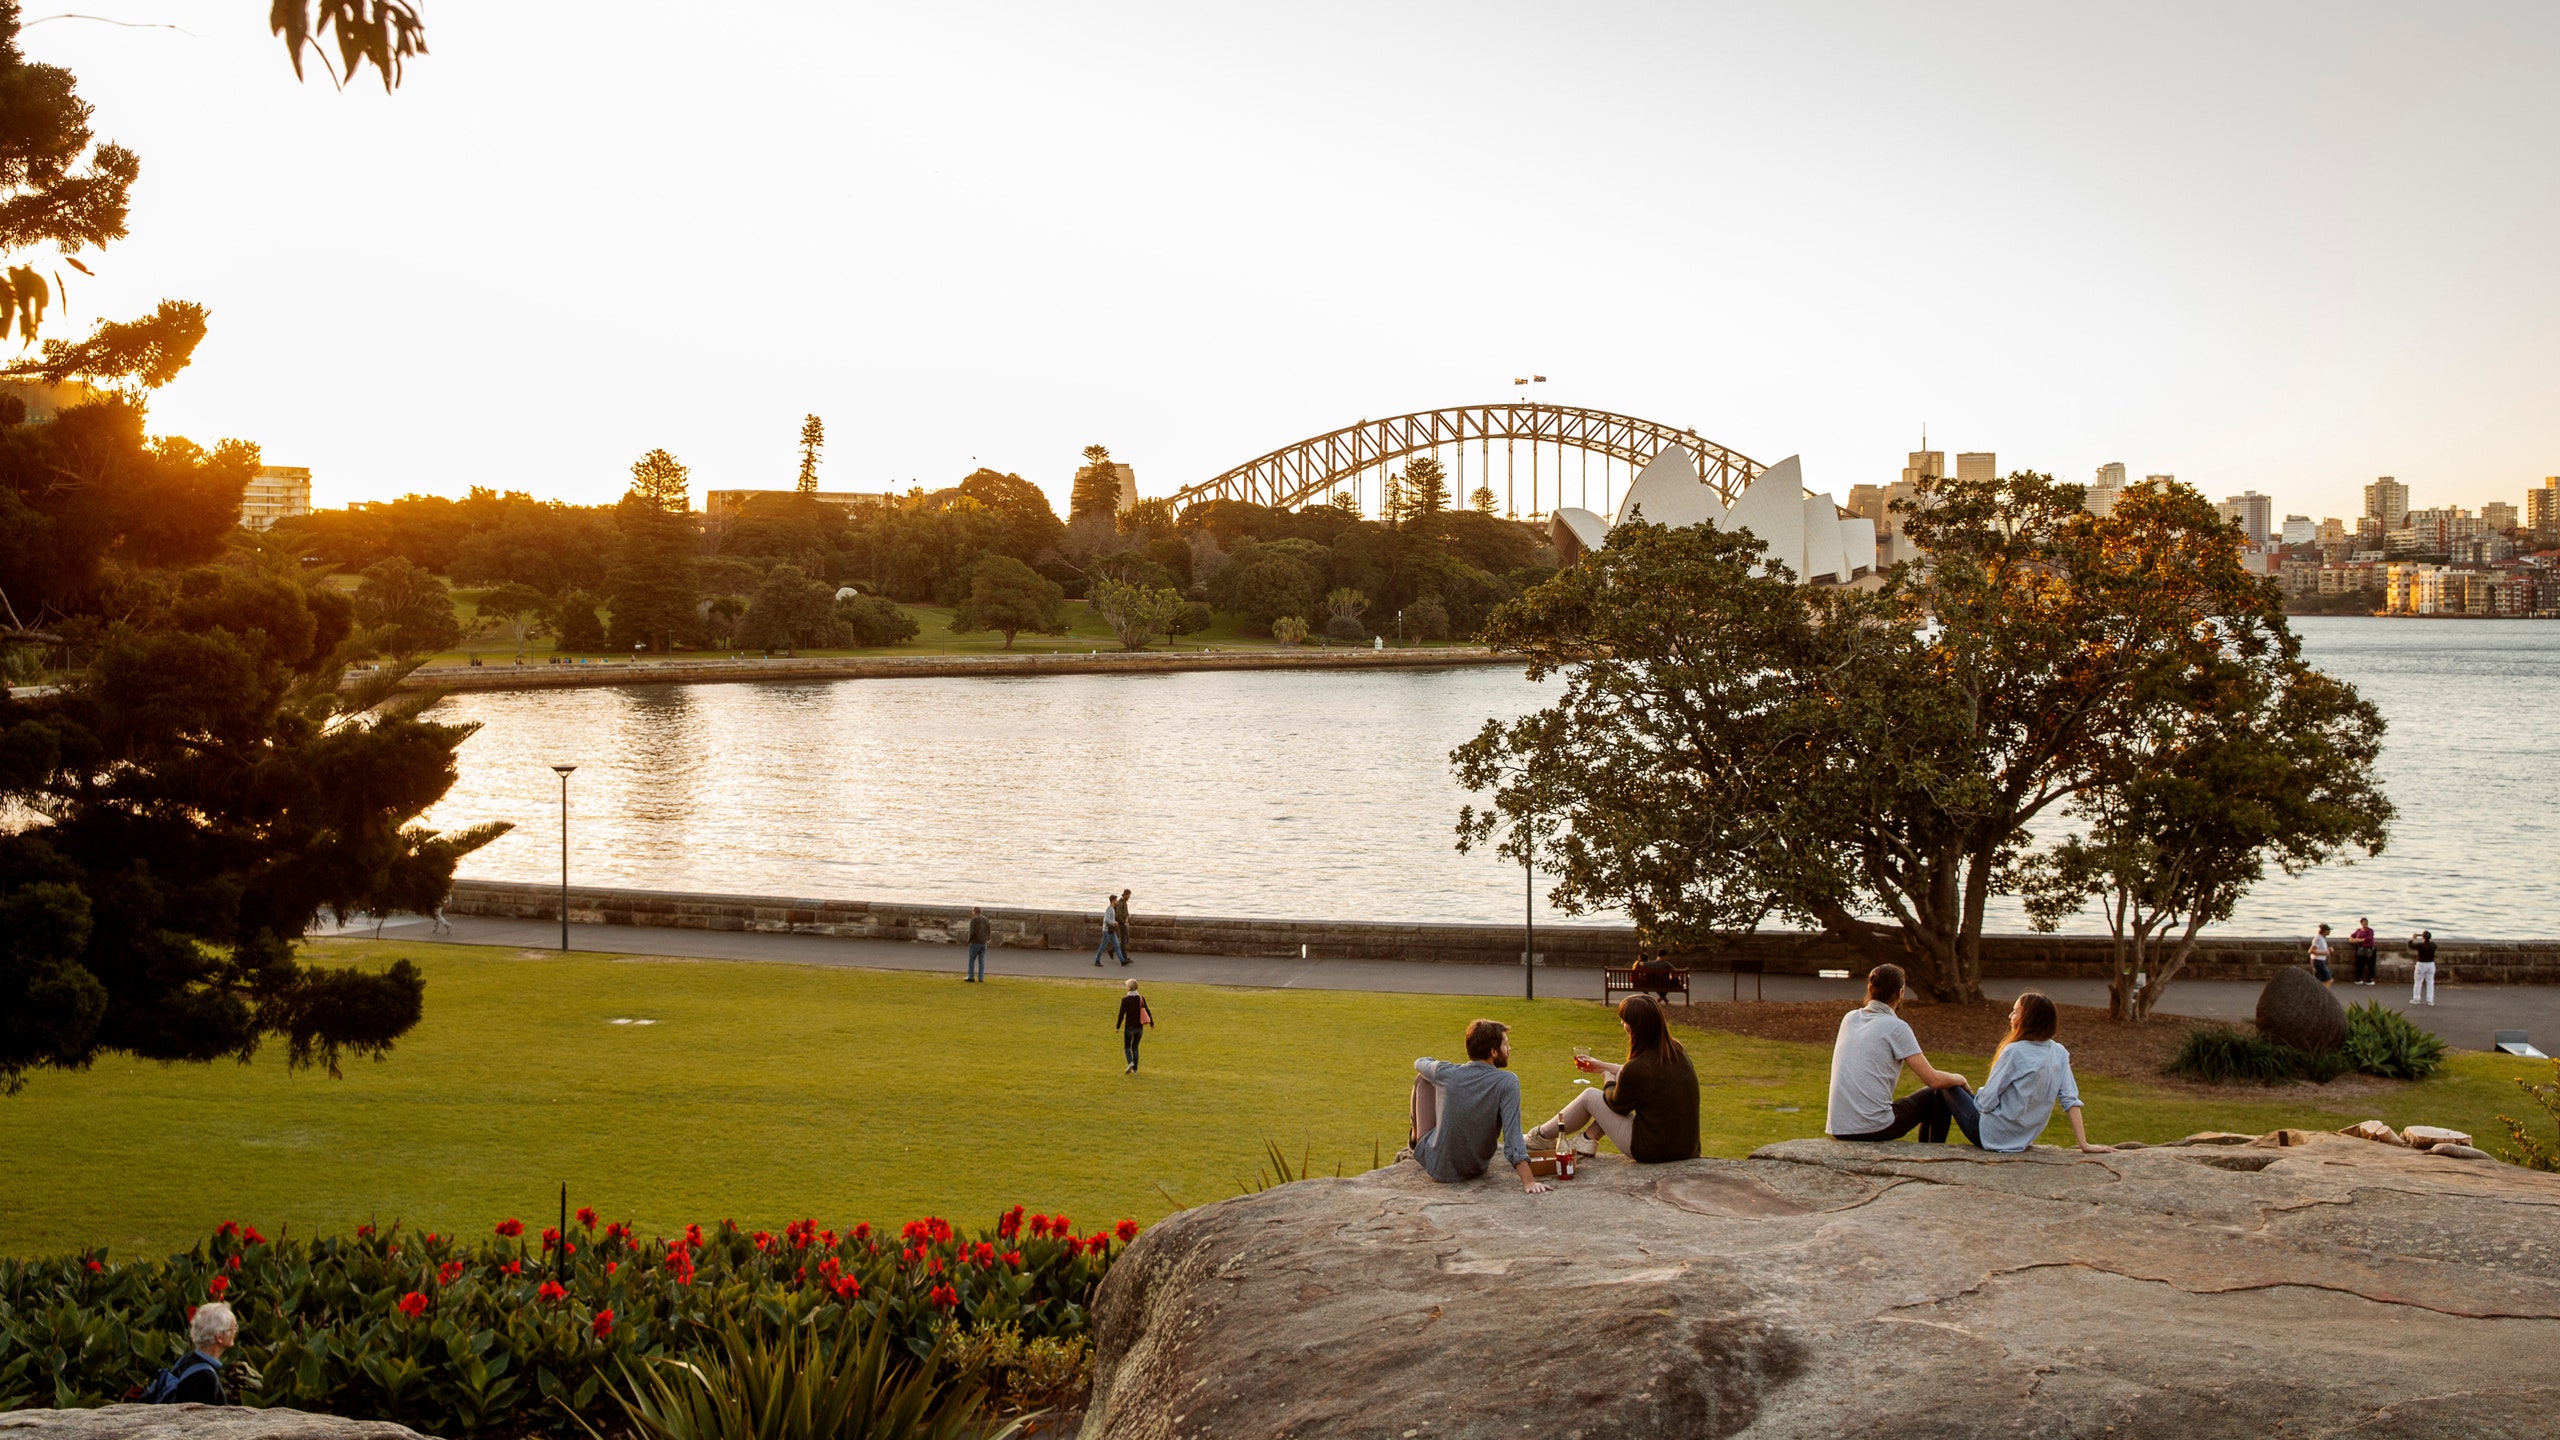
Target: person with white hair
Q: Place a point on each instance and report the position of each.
(197, 1378)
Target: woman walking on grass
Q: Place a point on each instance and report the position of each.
(1135, 1017)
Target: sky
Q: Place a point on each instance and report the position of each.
(2286, 247)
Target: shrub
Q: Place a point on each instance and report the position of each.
(455, 1337)
(2530, 1153)
(1289, 630)
(1345, 630)
(2221, 1054)
(804, 1381)
(875, 621)
(2382, 1041)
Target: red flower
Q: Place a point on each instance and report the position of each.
(96, 1268)
(550, 1238)
(232, 1262)
(693, 1236)
(551, 1290)
(862, 1231)
(227, 1230)
(943, 1297)
(763, 1240)
(617, 1231)
(1009, 1224)
(513, 1267)
(847, 1288)
(448, 1272)
(612, 1265)
(1127, 1230)
(249, 1234)
(603, 1323)
(213, 1287)
(587, 1217)
(933, 1266)
(413, 1304)
(364, 1232)
(1039, 1226)
(431, 1237)
(1013, 1258)
(511, 1228)
(827, 1238)
(1060, 1225)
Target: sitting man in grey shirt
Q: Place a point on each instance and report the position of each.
(1463, 1113)
(1867, 1061)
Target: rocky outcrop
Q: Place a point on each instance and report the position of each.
(2291, 1284)
(193, 1422)
(2299, 1011)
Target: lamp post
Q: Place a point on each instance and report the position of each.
(1529, 905)
(564, 855)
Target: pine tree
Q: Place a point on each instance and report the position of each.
(1482, 499)
(1097, 490)
(660, 481)
(652, 575)
(813, 438)
(1422, 490)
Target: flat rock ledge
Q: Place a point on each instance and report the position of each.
(193, 1422)
(2293, 1284)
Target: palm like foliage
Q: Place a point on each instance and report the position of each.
(792, 1382)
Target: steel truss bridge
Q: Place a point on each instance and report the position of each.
(1359, 460)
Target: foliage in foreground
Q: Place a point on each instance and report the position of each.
(2380, 1041)
(2529, 1152)
(808, 1379)
(455, 1337)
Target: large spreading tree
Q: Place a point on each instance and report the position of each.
(1728, 746)
(197, 787)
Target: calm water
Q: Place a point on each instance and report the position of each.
(1315, 794)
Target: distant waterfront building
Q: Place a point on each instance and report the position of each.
(2542, 509)
(727, 504)
(274, 493)
(2298, 530)
(2252, 512)
(2498, 515)
(2386, 503)
(1978, 465)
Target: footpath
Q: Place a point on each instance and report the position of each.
(733, 670)
(2463, 1015)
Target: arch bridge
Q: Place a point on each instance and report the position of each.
(1520, 454)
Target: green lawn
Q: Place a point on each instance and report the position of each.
(933, 637)
(768, 1092)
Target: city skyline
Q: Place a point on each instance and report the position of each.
(995, 237)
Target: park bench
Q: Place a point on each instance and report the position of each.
(1616, 982)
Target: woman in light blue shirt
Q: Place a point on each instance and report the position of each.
(2030, 1075)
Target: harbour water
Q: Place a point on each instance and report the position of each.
(1328, 795)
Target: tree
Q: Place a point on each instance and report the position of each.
(1097, 490)
(790, 611)
(574, 620)
(1421, 492)
(1010, 597)
(652, 574)
(519, 608)
(1138, 615)
(2251, 765)
(411, 610)
(1482, 500)
(1343, 608)
(1728, 746)
(813, 438)
(1289, 630)
(870, 620)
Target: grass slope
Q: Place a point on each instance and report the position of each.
(768, 1092)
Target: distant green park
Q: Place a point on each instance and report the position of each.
(770, 1092)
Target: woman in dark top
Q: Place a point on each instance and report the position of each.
(1135, 1017)
(1649, 1108)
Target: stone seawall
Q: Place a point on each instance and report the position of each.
(2480, 962)
(914, 667)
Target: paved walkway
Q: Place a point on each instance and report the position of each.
(2464, 1015)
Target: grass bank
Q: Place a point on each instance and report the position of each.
(768, 1092)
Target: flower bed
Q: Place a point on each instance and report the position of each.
(506, 1333)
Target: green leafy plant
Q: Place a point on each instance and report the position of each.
(814, 1378)
(2382, 1041)
(1289, 630)
(2530, 1153)
(2221, 1054)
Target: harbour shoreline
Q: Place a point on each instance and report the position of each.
(726, 671)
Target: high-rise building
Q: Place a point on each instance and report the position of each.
(1925, 465)
(2298, 530)
(2542, 508)
(1978, 465)
(2498, 515)
(274, 493)
(2251, 511)
(2104, 489)
(2159, 479)
(2387, 501)
(2333, 531)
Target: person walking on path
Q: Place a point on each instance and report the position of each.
(979, 930)
(2320, 956)
(1120, 908)
(2422, 976)
(1134, 1019)
(2362, 936)
(1110, 932)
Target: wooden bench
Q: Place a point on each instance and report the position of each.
(1627, 981)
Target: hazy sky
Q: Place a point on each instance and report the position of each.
(2287, 247)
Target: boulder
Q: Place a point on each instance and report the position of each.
(2374, 1130)
(2462, 1152)
(193, 1422)
(2299, 1011)
(2423, 1136)
(2301, 1284)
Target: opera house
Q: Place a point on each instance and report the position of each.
(1811, 536)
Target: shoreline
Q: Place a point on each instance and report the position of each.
(725, 671)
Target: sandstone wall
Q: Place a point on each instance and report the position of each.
(1580, 946)
(506, 675)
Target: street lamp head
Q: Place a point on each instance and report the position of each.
(564, 770)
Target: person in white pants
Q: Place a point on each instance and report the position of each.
(2422, 976)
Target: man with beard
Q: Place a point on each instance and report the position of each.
(1463, 1113)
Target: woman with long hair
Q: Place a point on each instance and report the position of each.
(2030, 1075)
(1649, 1106)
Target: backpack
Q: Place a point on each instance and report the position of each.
(163, 1388)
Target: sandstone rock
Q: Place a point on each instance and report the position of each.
(1821, 1288)
(193, 1422)
(2423, 1136)
(2299, 1011)
(2462, 1152)
(2374, 1130)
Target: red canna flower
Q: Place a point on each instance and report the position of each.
(249, 1234)
(96, 1268)
(551, 1290)
(448, 1272)
(862, 1231)
(227, 1230)
(513, 1267)
(693, 1236)
(587, 1217)
(1013, 1258)
(1039, 1226)
(1009, 1224)
(364, 1232)
(933, 1266)
(1127, 1230)
(413, 1304)
(511, 1228)
(943, 1297)
(431, 1237)
(827, 1238)
(847, 1288)
(763, 1241)
(232, 1262)
(612, 1265)
(603, 1323)
(213, 1287)
(1060, 1225)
